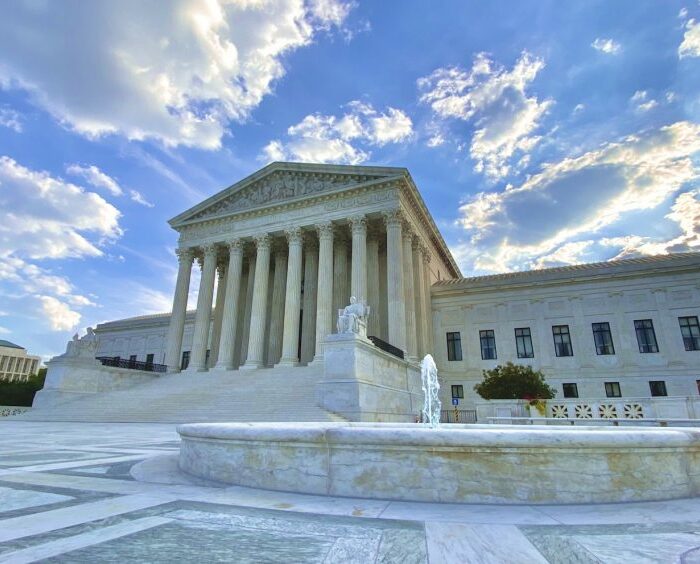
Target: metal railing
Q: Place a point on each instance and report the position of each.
(386, 347)
(117, 362)
(458, 416)
(651, 421)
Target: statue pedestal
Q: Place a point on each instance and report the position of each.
(363, 383)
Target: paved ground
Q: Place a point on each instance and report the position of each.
(80, 492)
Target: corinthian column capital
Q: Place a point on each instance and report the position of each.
(263, 241)
(358, 223)
(325, 229)
(393, 217)
(235, 245)
(210, 250)
(185, 254)
(294, 235)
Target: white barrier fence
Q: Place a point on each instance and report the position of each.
(593, 410)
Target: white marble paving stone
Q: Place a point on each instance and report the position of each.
(86, 483)
(12, 499)
(94, 470)
(38, 523)
(479, 544)
(72, 464)
(467, 513)
(640, 549)
(354, 550)
(625, 513)
(75, 542)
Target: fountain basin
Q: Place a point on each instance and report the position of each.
(453, 463)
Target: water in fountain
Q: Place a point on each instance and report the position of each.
(431, 387)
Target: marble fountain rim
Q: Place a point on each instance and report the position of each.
(408, 435)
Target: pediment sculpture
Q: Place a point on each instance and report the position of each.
(85, 347)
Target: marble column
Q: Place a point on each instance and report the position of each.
(419, 290)
(202, 320)
(292, 303)
(244, 304)
(358, 285)
(341, 291)
(395, 279)
(227, 342)
(258, 313)
(218, 314)
(428, 304)
(373, 284)
(308, 320)
(177, 319)
(409, 294)
(324, 293)
(278, 307)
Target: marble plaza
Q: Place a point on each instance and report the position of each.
(96, 492)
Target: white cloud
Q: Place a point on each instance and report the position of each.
(607, 46)
(4, 331)
(177, 72)
(42, 217)
(329, 138)
(641, 101)
(579, 108)
(10, 119)
(95, 177)
(139, 199)
(496, 100)
(59, 315)
(578, 197)
(683, 13)
(690, 47)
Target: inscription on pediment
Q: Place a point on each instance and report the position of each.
(280, 186)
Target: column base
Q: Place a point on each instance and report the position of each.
(251, 365)
(195, 369)
(287, 363)
(222, 368)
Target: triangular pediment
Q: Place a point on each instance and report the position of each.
(281, 182)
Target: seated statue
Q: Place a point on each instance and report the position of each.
(353, 318)
(85, 347)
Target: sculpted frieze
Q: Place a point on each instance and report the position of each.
(280, 186)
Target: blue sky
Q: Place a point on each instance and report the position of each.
(540, 133)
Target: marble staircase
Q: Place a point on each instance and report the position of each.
(273, 394)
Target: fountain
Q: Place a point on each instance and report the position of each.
(448, 463)
(431, 389)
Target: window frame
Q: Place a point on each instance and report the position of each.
(488, 335)
(575, 388)
(693, 330)
(610, 387)
(598, 329)
(561, 335)
(459, 390)
(645, 331)
(454, 346)
(185, 360)
(524, 338)
(662, 384)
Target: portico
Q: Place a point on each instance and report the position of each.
(292, 243)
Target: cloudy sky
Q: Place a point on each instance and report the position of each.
(540, 133)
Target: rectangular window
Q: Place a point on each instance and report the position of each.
(457, 391)
(454, 346)
(612, 390)
(646, 337)
(206, 358)
(149, 358)
(562, 341)
(697, 383)
(185, 360)
(657, 388)
(603, 339)
(570, 390)
(488, 344)
(691, 332)
(523, 342)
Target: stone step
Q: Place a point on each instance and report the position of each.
(275, 394)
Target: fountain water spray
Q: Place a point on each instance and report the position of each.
(431, 387)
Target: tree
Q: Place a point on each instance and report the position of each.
(21, 393)
(514, 381)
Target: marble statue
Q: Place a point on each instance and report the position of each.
(85, 347)
(353, 318)
(431, 391)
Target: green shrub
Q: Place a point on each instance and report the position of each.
(514, 381)
(21, 393)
